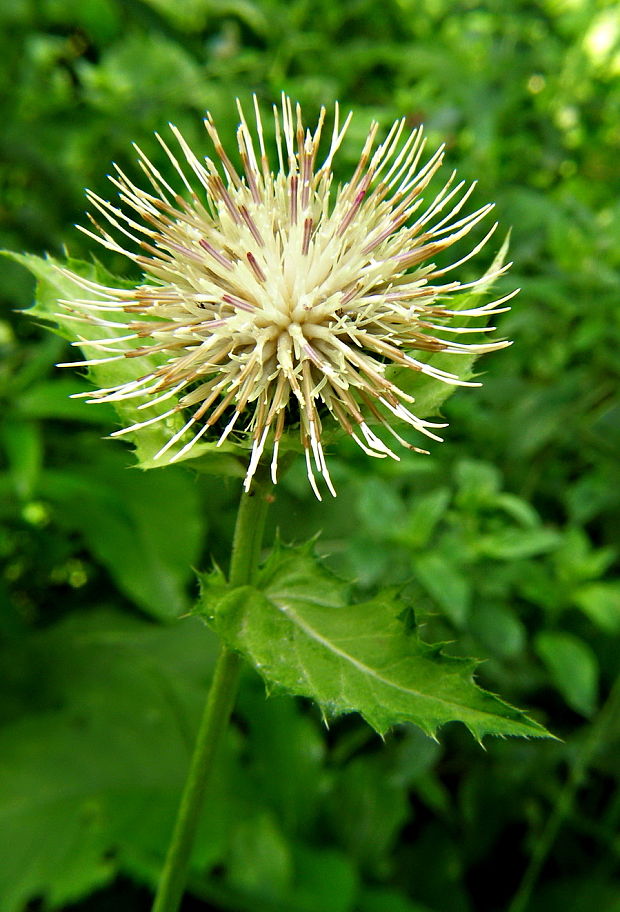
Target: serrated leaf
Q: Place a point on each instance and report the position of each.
(54, 285)
(298, 629)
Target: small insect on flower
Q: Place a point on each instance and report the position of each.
(275, 299)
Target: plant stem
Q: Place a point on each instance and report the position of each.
(244, 562)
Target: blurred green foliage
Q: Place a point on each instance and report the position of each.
(505, 539)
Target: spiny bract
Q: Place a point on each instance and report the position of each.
(277, 298)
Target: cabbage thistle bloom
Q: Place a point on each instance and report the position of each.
(275, 298)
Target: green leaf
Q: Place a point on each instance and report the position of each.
(426, 512)
(380, 507)
(74, 862)
(54, 285)
(601, 603)
(573, 668)
(259, 861)
(478, 482)
(192, 15)
(24, 450)
(578, 561)
(446, 585)
(579, 894)
(300, 632)
(518, 544)
(371, 807)
(146, 530)
(53, 400)
(90, 780)
(499, 629)
(140, 62)
(288, 751)
(326, 880)
(517, 508)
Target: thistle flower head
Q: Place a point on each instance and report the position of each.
(274, 298)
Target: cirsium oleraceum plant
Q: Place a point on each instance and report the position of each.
(274, 298)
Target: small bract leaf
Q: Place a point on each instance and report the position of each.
(301, 633)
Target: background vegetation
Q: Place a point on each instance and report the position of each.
(506, 535)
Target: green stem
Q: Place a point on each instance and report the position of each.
(244, 561)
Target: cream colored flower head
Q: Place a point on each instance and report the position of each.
(276, 299)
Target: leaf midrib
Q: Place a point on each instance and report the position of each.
(290, 613)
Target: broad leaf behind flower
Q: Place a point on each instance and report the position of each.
(53, 285)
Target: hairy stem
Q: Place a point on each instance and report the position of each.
(220, 701)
